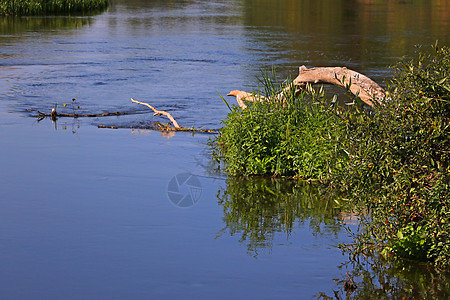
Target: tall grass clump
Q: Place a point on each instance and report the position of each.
(43, 7)
(294, 135)
(398, 172)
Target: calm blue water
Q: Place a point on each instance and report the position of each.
(86, 213)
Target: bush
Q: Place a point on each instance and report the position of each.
(399, 166)
(295, 137)
(42, 7)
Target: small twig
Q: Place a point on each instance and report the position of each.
(159, 112)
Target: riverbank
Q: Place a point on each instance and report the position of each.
(44, 7)
(390, 160)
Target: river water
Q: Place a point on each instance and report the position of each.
(134, 213)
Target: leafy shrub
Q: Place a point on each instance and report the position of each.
(399, 166)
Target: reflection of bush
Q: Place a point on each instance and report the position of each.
(378, 279)
(12, 26)
(41, 7)
(258, 208)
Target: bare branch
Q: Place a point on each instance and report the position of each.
(159, 112)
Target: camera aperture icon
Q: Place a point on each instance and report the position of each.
(184, 190)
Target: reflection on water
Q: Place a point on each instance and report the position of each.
(13, 27)
(365, 35)
(259, 208)
(377, 279)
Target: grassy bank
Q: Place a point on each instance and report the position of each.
(45, 7)
(391, 162)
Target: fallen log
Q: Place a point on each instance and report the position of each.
(358, 84)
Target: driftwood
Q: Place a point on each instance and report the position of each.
(242, 96)
(54, 115)
(167, 127)
(358, 84)
(159, 112)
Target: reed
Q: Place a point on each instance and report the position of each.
(46, 7)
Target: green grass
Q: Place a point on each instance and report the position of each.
(46, 7)
(298, 137)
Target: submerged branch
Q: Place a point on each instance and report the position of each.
(55, 114)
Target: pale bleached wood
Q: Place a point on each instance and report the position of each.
(242, 96)
(358, 84)
(159, 112)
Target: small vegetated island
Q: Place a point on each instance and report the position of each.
(387, 158)
(46, 7)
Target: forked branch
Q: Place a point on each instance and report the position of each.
(159, 112)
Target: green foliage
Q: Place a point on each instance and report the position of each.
(297, 136)
(392, 161)
(42, 7)
(411, 242)
(399, 167)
